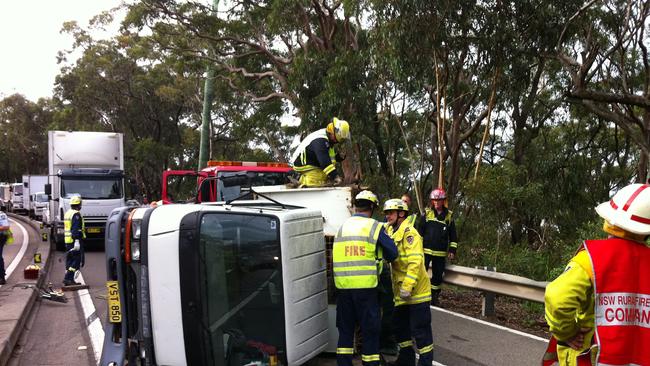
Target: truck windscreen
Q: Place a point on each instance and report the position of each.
(237, 279)
(42, 198)
(92, 188)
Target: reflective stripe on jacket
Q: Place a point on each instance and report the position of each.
(408, 269)
(69, 236)
(569, 306)
(438, 233)
(355, 254)
(315, 152)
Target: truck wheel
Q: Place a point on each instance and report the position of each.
(58, 244)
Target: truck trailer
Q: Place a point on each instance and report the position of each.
(88, 164)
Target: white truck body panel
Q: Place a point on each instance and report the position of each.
(81, 149)
(304, 280)
(164, 283)
(335, 203)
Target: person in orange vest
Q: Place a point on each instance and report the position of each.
(598, 310)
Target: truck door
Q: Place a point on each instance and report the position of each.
(179, 186)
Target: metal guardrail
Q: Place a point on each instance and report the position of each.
(499, 283)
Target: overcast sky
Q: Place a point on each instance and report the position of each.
(30, 40)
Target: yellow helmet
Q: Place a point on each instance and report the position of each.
(339, 128)
(368, 196)
(75, 200)
(395, 204)
(629, 209)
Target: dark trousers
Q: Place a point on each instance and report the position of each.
(437, 265)
(413, 322)
(386, 337)
(72, 262)
(359, 306)
(3, 241)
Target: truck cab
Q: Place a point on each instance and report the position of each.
(228, 180)
(17, 198)
(39, 204)
(215, 284)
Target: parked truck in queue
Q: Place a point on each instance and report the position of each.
(33, 184)
(88, 164)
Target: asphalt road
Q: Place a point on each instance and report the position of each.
(72, 333)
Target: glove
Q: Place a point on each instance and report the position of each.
(339, 157)
(404, 294)
(77, 246)
(337, 181)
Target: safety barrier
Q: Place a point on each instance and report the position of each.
(495, 282)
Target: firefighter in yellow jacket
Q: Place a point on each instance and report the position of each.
(412, 316)
(603, 270)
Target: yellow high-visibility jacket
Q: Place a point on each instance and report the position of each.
(569, 306)
(408, 269)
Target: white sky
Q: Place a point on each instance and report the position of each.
(30, 40)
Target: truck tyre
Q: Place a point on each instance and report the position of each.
(58, 242)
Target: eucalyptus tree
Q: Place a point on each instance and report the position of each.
(23, 137)
(603, 47)
(306, 58)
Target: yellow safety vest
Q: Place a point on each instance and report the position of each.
(355, 254)
(67, 226)
(408, 269)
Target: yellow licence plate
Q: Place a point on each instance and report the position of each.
(94, 230)
(114, 307)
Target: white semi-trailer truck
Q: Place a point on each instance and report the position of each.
(88, 164)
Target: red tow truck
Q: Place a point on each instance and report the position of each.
(225, 180)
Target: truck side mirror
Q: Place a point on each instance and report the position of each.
(48, 190)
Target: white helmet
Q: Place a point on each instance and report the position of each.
(629, 209)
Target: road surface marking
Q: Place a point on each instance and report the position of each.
(491, 324)
(95, 330)
(21, 253)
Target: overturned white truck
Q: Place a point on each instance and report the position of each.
(243, 282)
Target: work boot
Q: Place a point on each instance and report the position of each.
(70, 283)
(3, 281)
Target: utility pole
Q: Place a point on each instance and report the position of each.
(208, 97)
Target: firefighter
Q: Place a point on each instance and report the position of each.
(605, 289)
(406, 198)
(4, 235)
(439, 234)
(74, 230)
(315, 158)
(412, 316)
(359, 246)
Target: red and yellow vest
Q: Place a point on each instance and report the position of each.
(621, 307)
(622, 300)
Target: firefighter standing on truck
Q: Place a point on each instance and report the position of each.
(74, 231)
(605, 290)
(359, 246)
(315, 158)
(412, 316)
(439, 234)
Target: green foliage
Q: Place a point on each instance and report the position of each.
(382, 65)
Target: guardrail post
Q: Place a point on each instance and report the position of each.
(487, 303)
